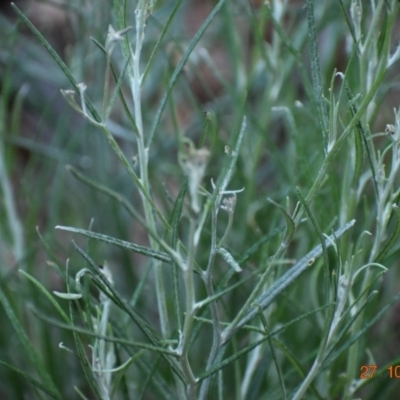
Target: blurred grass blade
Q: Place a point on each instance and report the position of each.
(47, 294)
(28, 349)
(31, 380)
(51, 253)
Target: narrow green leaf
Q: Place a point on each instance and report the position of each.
(229, 259)
(104, 189)
(31, 380)
(297, 365)
(296, 53)
(125, 306)
(321, 238)
(273, 352)
(393, 238)
(260, 242)
(120, 243)
(47, 294)
(349, 24)
(282, 283)
(221, 364)
(362, 133)
(316, 71)
(92, 110)
(364, 330)
(98, 44)
(175, 219)
(116, 196)
(57, 59)
(27, 347)
(161, 38)
(81, 347)
(117, 91)
(111, 339)
(290, 226)
(179, 68)
(51, 253)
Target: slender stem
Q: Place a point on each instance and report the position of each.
(190, 311)
(135, 80)
(216, 323)
(10, 210)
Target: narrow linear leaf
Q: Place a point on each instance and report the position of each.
(27, 346)
(221, 364)
(393, 239)
(67, 296)
(31, 380)
(120, 243)
(110, 339)
(296, 53)
(57, 59)
(273, 352)
(127, 111)
(333, 352)
(47, 294)
(260, 242)
(366, 328)
(175, 218)
(342, 139)
(104, 189)
(367, 143)
(92, 110)
(117, 90)
(179, 68)
(51, 253)
(288, 278)
(128, 166)
(234, 154)
(316, 70)
(297, 365)
(80, 347)
(161, 37)
(229, 259)
(349, 25)
(98, 44)
(290, 226)
(116, 196)
(125, 306)
(223, 292)
(320, 235)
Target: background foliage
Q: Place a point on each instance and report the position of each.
(281, 290)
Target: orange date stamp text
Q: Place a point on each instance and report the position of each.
(368, 371)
